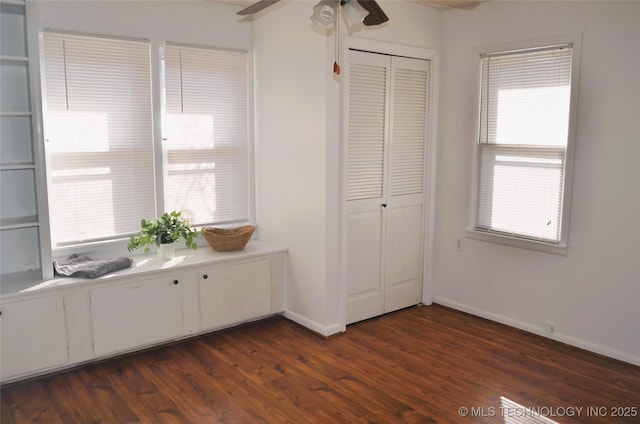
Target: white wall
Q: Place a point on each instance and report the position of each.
(184, 21)
(291, 85)
(298, 144)
(592, 294)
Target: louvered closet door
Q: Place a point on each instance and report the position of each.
(405, 210)
(384, 183)
(369, 79)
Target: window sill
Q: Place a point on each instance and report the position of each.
(556, 249)
(143, 265)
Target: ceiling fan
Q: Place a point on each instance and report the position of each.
(325, 12)
(366, 11)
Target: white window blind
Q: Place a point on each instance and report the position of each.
(205, 134)
(525, 101)
(98, 128)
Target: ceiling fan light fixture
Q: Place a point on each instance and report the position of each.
(354, 13)
(325, 12)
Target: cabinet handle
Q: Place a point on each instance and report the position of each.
(384, 205)
(205, 276)
(175, 281)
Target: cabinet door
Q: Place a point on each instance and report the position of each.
(135, 314)
(34, 335)
(234, 294)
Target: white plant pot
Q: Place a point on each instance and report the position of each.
(166, 251)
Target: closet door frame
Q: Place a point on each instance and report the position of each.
(349, 43)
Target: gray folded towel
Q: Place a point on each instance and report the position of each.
(85, 267)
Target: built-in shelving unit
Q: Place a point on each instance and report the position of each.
(20, 224)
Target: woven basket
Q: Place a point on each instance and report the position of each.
(222, 240)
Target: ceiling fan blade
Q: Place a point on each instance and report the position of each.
(256, 7)
(376, 16)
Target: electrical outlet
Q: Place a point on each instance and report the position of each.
(459, 245)
(29, 267)
(549, 327)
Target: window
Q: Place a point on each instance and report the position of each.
(206, 134)
(99, 119)
(523, 144)
(99, 137)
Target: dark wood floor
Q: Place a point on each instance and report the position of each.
(419, 365)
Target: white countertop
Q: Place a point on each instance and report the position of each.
(149, 264)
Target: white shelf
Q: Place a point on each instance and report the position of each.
(17, 166)
(18, 222)
(21, 242)
(145, 266)
(14, 113)
(10, 58)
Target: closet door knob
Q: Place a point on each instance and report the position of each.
(384, 205)
(205, 276)
(175, 281)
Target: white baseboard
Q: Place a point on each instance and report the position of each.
(323, 330)
(560, 337)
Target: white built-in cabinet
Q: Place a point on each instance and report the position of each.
(59, 323)
(385, 182)
(20, 222)
(132, 314)
(234, 293)
(34, 335)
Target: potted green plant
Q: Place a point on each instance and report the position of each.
(164, 232)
